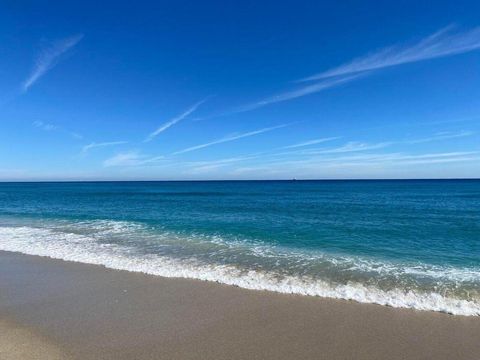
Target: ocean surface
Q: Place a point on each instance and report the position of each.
(412, 244)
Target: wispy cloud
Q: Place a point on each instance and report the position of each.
(352, 146)
(356, 146)
(135, 158)
(356, 151)
(441, 136)
(369, 160)
(230, 138)
(44, 126)
(205, 166)
(287, 95)
(93, 145)
(124, 159)
(439, 157)
(392, 157)
(441, 43)
(48, 58)
(311, 142)
(367, 165)
(52, 127)
(384, 161)
(296, 93)
(75, 135)
(175, 120)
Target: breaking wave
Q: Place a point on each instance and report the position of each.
(251, 265)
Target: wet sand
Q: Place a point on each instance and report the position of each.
(90, 312)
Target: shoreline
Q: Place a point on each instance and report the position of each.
(46, 244)
(95, 312)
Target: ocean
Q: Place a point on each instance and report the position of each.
(401, 243)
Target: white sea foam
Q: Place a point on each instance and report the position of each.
(77, 247)
(357, 264)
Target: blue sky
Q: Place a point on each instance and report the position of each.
(239, 90)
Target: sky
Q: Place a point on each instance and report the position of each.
(213, 90)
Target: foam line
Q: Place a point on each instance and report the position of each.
(85, 249)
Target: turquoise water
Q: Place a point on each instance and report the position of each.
(400, 243)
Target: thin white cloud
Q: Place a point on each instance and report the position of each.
(349, 147)
(134, 158)
(288, 95)
(44, 126)
(52, 127)
(75, 135)
(398, 156)
(230, 138)
(389, 160)
(440, 44)
(382, 160)
(205, 166)
(48, 58)
(175, 120)
(311, 142)
(442, 136)
(356, 146)
(352, 146)
(93, 145)
(223, 161)
(293, 94)
(124, 159)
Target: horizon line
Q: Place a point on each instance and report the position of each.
(241, 180)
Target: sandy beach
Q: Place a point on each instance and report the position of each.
(61, 309)
(17, 343)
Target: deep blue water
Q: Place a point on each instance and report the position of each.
(412, 243)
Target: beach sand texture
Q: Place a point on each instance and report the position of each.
(18, 343)
(91, 312)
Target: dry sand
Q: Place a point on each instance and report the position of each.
(18, 343)
(95, 313)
